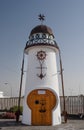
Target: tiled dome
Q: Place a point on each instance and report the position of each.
(41, 29)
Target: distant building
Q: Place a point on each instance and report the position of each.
(1, 94)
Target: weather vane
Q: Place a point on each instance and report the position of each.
(41, 17)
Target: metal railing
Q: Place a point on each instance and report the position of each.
(73, 104)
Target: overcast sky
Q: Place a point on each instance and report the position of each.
(65, 17)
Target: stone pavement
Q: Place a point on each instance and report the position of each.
(12, 125)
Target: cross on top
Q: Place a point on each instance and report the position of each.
(41, 17)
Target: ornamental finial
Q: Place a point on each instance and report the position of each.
(41, 17)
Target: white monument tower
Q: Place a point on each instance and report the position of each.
(41, 100)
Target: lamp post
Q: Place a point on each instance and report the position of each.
(10, 88)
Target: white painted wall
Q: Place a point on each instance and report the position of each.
(50, 81)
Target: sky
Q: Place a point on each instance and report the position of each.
(19, 17)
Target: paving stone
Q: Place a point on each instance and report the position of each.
(70, 125)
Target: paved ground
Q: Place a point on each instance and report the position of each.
(70, 125)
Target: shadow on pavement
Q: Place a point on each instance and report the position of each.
(9, 123)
